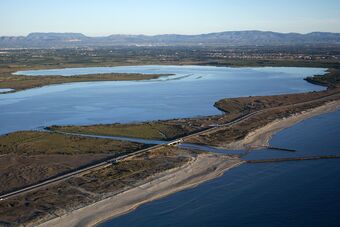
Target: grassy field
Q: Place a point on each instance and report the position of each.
(18, 171)
(158, 130)
(38, 143)
(29, 157)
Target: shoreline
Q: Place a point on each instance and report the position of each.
(202, 168)
(261, 137)
(16, 82)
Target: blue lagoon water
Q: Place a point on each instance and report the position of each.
(191, 92)
(297, 193)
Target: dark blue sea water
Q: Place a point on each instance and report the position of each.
(319, 135)
(297, 193)
(192, 92)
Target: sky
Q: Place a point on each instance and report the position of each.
(150, 17)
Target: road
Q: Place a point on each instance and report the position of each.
(174, 142)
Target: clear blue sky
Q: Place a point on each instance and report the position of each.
(104, 17)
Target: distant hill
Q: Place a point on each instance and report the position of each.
(230, 38)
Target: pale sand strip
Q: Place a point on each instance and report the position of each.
(203, 167)
(260, 137)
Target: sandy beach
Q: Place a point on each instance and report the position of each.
(260, 137)
(201, 168)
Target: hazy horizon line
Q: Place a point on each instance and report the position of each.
(158, 34)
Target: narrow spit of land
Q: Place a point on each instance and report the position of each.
(20, 82)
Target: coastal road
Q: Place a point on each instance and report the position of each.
(111, 161)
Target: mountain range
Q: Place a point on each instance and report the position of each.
(229, 38)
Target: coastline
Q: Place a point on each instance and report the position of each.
(261, 137)
(203, 167)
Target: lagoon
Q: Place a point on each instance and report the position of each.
(191, 92)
